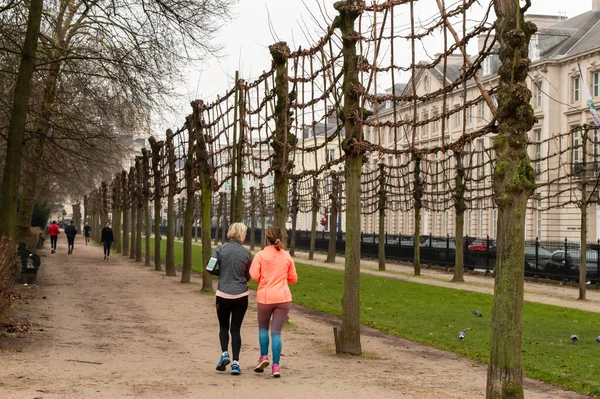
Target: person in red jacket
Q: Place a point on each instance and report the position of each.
(53, 231)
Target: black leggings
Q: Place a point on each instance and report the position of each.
(234, 309)
(107, 248)
(71, 241)
(53, 240)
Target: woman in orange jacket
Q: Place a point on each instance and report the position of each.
(273, 268)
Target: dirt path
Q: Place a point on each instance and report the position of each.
(117, 329)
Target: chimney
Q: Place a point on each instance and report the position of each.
(595, 5)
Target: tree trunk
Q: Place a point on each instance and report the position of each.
(513, 183)
(381, 241)
(294, 211)
(134, 211)
(331, 250)
(116, 206)
(417, 195)
(138, 231)
(190, 205)
(156, 147)
(583, 253)
(237, 217)
(18, 118)
(197, 219)
(313, 225)
(27, 200)
(252, 218)
(125, 206)
(349, 337)
(583, 240)
(284, 142)
(170, 261)
(140, 208)
(234, 154)
(224, 224)
(459, 207)
(145, 204)
(204, 172)
(85, 209)
(263, 217)
(220, 207)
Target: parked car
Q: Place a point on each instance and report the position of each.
(565, 265)
(481, 245)
(543, 255)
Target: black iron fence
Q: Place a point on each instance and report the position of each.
(556, 260)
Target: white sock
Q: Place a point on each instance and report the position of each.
(225, 353)
(235, 362)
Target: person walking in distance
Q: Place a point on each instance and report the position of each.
(273, 268)
(86, 232)
(107, 239)
(53, 231)
(71, 233)
(233, 261)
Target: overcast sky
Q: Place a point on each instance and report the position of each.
(247, 37)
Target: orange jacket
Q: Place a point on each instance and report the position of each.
(273, 270)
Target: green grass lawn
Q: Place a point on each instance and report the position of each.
(197, 263)
(435, 315)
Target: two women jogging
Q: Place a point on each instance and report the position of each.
(273, 268)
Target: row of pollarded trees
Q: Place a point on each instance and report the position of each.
(513, 182)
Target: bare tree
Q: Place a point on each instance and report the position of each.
(16, 130)
(513, 183)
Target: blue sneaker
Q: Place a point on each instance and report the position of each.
(235, 368)
(222, 366)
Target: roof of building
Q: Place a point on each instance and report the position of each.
(570, 37)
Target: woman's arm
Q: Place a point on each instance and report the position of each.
(255, 268)
(248, 264)
(292, 276)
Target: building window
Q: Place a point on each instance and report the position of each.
(328, 184)
(481, 111)
(538, 95)
(538, 154)
(596, 84)
(426, 84)
(426, 125)
(417, 128)
(436, 123)
(480, 159)
(467, 160)
(457, 119)
(487, 66)
(330, 155)
(470, 115)
(576, 89)
(576, 149)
